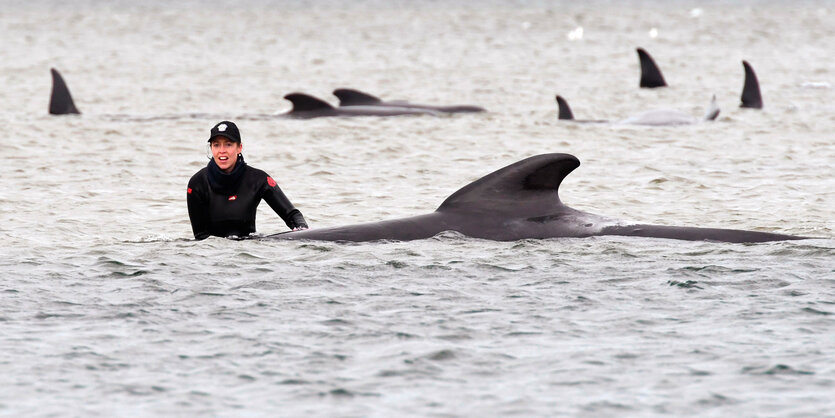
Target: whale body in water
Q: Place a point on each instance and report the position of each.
(520, 201)
(657, 117)
(351, 97)
(304, 107)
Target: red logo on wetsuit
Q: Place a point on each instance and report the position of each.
(271, 182)
(189, 190)
(235, 197)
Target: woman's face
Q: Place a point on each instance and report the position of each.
(225, 152)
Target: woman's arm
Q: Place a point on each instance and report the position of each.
(198, 211)
(273, 195)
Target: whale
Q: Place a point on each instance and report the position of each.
(351, 97)
(651, 76)
(750, 97)
(60, 100)
(306, 107)
(519, 201)
(656, 117)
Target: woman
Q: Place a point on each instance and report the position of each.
(223, 196)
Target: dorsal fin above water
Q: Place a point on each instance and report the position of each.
(650, 74)
(751, 97)
(351, 97)
(60, 101)
(712, 110)
(565, 110)
(522, 187)
(304, 102)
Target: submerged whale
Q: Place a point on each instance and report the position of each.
(61, 103)
(650, 73)
(519, 201)
(658, 117)
(306, 107)
(750, 98)
(651, 77)
(351, 97)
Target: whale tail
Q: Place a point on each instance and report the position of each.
(689, 233)
(523, 188)
(650, 74)
(60, 101)
(306, 103)
(351, 97)
(712, 110)
(751, 97)
(565, 110)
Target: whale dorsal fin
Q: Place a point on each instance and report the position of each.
(304, 102)
(351, 97)
(60, 102)
(712, 110)
(525, 187)
(565, 110)
(650, 74)
(751, 90)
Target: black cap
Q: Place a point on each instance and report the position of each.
(226, 129)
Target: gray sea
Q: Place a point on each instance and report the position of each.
(108, 307)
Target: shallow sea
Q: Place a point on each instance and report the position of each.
(109, 308)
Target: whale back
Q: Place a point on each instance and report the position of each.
(650, 73)
(60, 101)
(751, 97)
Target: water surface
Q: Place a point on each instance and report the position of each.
(110, 308)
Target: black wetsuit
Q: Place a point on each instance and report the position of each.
(224, 205)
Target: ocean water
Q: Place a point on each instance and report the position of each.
(109, 308)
